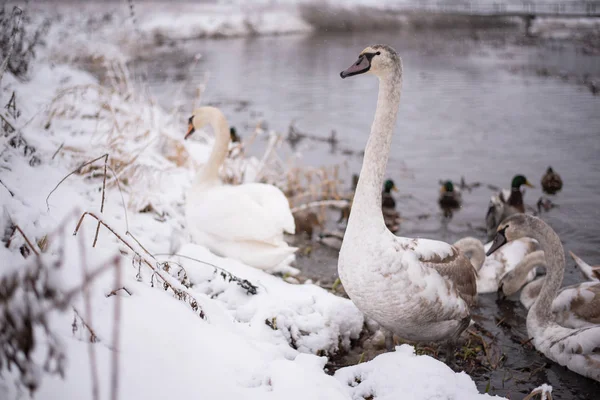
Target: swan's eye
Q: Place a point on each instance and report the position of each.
(378, 53)
(190, 120)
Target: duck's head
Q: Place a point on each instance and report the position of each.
(380, 60)
(448, 187)
(389, 185)
(512, 228)
(233, 134)
(204, 116)
(520, 180)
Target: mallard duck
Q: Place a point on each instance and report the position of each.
(245, 222)
(577, 349)
(419, 289)
(551, 181)
(391, 217)
(234, 136)
(505, 203)
(450, 198)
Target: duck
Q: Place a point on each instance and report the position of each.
(574, 348)
(245, 222)
(420, 290)
(391, 217)
(450, 198)
(591, 273)
(575, 306)
(551, 182)
(490, 270)
(235, 138)
(505, 203)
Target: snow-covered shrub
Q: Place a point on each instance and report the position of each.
(18, 41)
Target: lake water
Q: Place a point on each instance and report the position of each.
(472, 105)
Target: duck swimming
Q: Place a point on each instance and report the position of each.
(551, 181)
(505, 203)
(450, 198)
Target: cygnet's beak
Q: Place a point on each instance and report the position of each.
(190, 130)
(362, 65)
(499, 241)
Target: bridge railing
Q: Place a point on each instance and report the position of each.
(580, 8)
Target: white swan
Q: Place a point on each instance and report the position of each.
(491, 269)
(575, 306)
(577, 349)
(245, 222)
(419, 289)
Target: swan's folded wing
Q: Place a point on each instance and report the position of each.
(450, 264)
(273, 199)
(232, 214)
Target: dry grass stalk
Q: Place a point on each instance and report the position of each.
(178, 290)
(16, 228)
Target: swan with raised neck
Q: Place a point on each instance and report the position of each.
(213, 117)
(574, 348)
(247, 221)
(575, 306)
(419, 289)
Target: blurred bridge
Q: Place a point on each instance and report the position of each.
(526, 9)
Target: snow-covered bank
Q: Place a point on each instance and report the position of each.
(162, 23)
(184, 328)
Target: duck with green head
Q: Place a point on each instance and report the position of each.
(450, 198)
(505, 203)
(388, 206)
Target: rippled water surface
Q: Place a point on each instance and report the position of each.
(470, 107)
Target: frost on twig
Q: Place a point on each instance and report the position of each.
(178, 290)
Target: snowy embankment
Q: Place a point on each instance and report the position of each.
(187, 328)
(119, 315)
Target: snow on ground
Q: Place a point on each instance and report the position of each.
(260, 336)
(198, 325)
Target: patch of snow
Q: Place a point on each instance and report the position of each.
(403, 373)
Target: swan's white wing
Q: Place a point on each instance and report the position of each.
(578, 305)
(273, 199)
(578, 349)
(447, 261)
(230, 213)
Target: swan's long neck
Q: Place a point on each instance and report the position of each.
(367, 198)
(209, 174)
(555, 260)
(528, 263)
